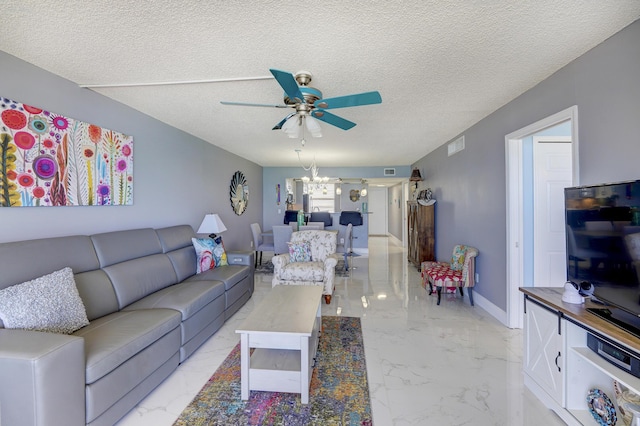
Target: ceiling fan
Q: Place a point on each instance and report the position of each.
(309, 104)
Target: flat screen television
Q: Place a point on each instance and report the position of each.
(603, 247)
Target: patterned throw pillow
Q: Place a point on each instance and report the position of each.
(219, 253)
(457, 260)
(204, 253)
(300, 251)
(210, 254)
(50, 303)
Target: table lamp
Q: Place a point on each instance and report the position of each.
(211, 224)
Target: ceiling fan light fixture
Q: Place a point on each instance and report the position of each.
(291, 127)
(313, 126)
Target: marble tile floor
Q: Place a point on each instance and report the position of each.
(451, 364)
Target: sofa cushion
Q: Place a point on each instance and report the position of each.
(187, 298)
(175, 237)
(53, 254)
(137, 278)
(112, 340)
(302, 271)
(49, 303)
(184, 261)
(230, 275)
(119, 246)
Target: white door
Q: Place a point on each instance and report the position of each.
(552, 172)
(379, 210)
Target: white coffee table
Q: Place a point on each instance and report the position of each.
(284, 330)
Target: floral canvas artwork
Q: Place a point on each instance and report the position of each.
(47, 159)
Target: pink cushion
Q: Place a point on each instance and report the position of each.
(443, 276)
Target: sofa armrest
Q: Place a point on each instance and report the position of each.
(240, 258)
(43, 378)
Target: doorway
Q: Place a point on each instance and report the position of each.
(520, 200)
(379, 210)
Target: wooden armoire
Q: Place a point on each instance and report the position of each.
(421, 231)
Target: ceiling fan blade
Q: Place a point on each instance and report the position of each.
(367, 98)
(333, 119)
(288, 83)
(254, 105)
(279, 125)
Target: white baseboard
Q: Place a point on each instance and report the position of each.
(495, 312)
(395, 240)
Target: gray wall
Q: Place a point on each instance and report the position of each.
(178, 177)
(470, 186)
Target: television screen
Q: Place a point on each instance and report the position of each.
(603, 241)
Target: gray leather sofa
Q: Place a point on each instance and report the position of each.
(148, 312)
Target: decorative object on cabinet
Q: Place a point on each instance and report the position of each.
(239, 193)
(211, 224)
(421, 232)
(571, 294)
(415, 178)
(627, 401)
(51, 160)
(601, 408)
(460, 272)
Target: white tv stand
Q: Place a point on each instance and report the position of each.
(559, 367)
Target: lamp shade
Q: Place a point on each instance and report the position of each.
(292, 127)
(415, 175)
(211, 224)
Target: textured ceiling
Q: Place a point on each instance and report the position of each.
(440, 66)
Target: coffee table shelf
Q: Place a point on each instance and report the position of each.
(284, 331)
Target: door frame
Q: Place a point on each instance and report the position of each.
(514, 204)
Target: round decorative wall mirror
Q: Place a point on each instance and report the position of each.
(239, 193)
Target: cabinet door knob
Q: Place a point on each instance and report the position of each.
(558, 356)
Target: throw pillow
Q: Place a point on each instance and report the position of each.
(219, 253)
(457, 260)
(49, 303)
(204, 252)
(300, 251)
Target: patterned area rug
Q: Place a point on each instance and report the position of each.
(339, 392)
(267, 269)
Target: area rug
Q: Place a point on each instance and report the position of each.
(339, 392)
(267, 269)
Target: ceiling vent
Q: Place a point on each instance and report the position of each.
(389, 172)
(455, 146)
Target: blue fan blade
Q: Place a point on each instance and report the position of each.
(279, 125)
(367, 98)
(254, 105)
(333, 119)
(288, 83)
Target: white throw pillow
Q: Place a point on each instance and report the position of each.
(49, 303)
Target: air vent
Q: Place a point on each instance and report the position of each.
(455, 146)
(389, 172)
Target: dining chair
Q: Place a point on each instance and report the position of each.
(281, 238)
(258, 243)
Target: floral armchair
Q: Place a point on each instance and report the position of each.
(311, 261)
(458, 273)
